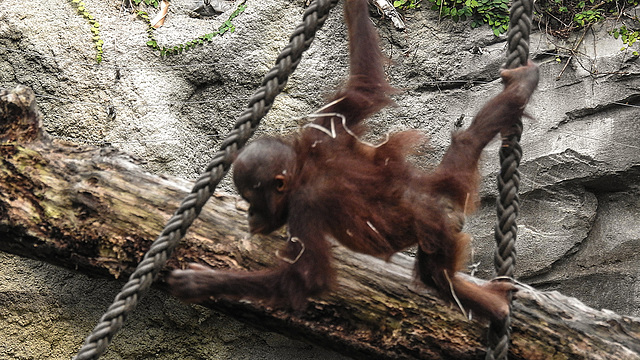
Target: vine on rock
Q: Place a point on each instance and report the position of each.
(628, 37)
(227, 26)
(557, 17)
(495, 13)
(95, 27)
(154, 3)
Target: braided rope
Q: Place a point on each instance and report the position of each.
(508, 204)
(259, 104)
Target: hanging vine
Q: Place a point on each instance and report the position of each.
(95, 27)
(227, 26)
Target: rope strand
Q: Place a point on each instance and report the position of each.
(508, 204)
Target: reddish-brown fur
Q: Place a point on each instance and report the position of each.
(368, 198)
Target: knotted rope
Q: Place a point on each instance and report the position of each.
(508, 203)
(139, 282)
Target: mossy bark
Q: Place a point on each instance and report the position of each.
(95, 210)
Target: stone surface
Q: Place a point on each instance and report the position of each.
(47, 311)
(579, 231)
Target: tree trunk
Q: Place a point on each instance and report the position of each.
(93, 209)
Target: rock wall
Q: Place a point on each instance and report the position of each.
(579, 231)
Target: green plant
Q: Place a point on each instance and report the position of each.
(588, 17)
(154, 3)
(495, 13)
(407, 4)
(95, 27)
(227, 26)
(559, 17)
(627, 36)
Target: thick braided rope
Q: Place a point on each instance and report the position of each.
(259, 104)
(508, 203)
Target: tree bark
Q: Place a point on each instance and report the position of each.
(95, 210)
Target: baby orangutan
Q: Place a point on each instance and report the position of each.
(325, 183)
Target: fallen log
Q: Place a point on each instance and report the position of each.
(95, 210)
